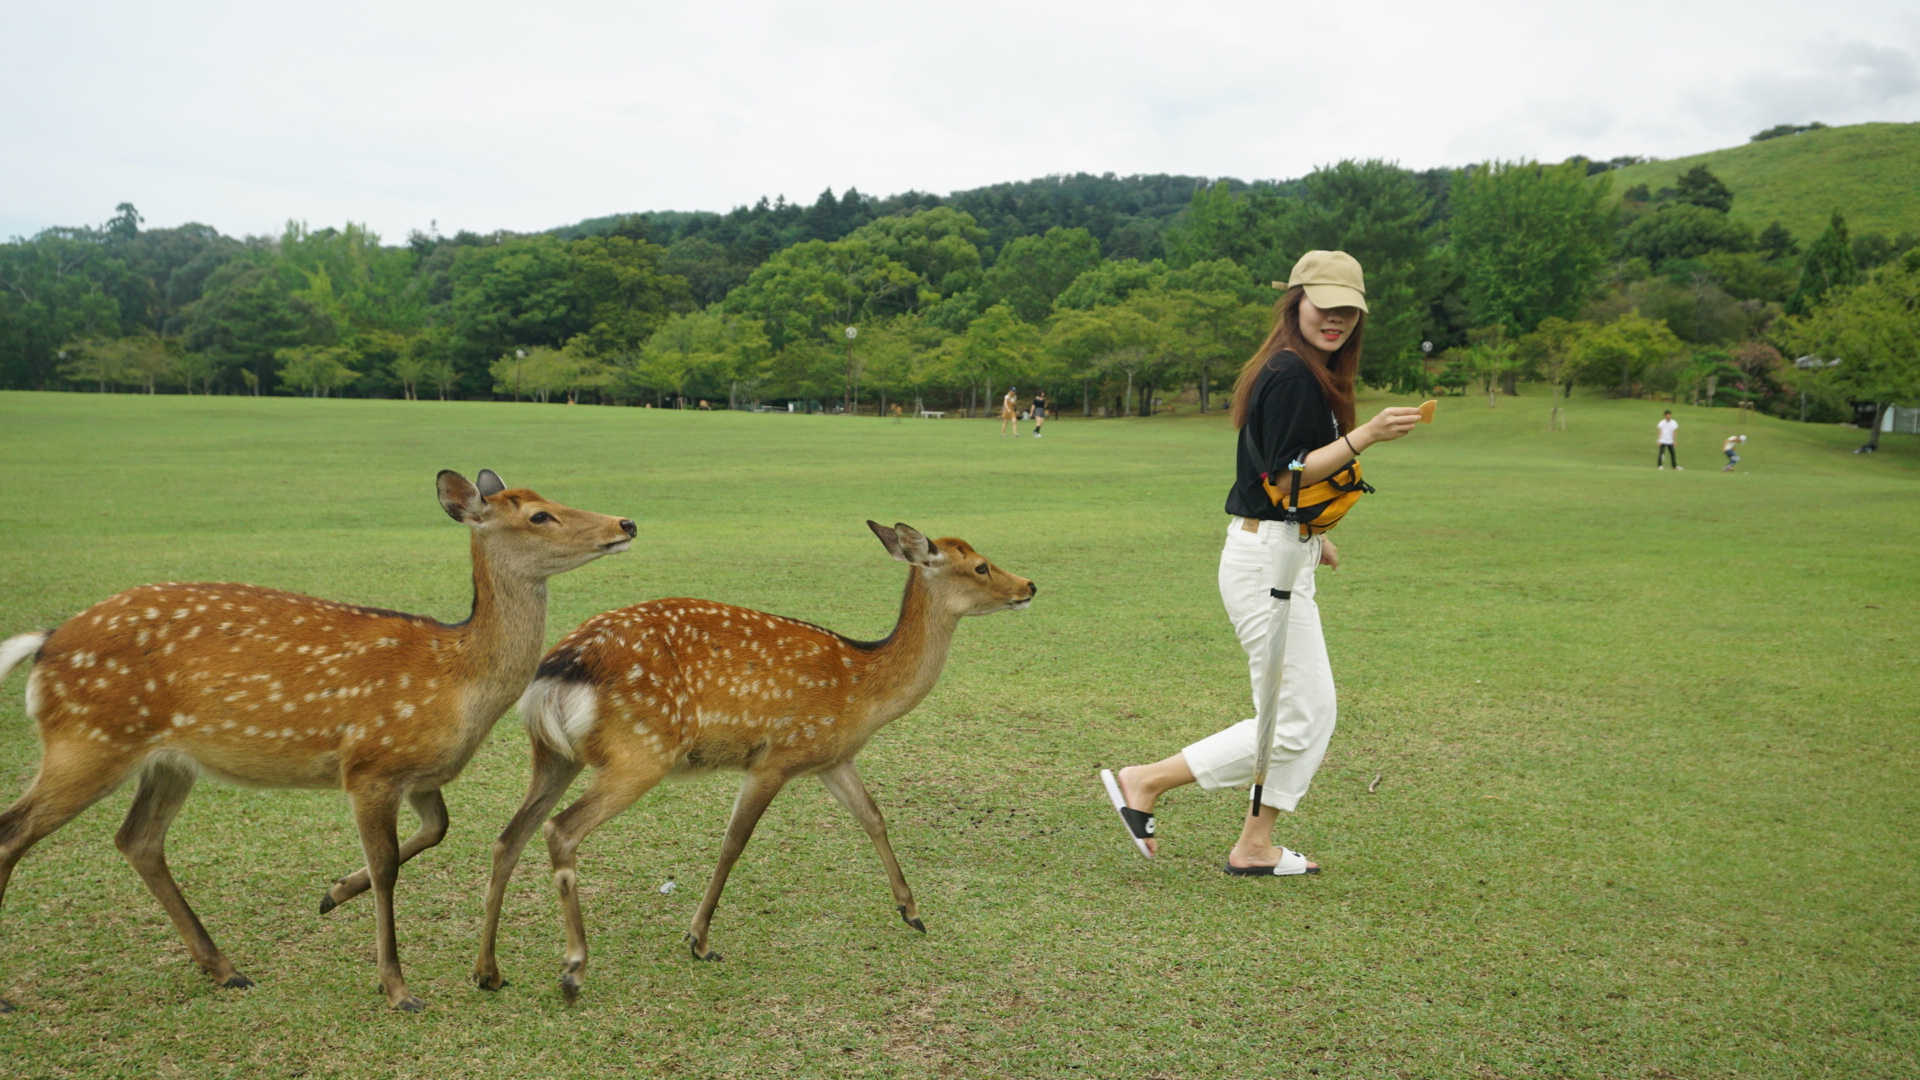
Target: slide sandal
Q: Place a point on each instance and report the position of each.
(1139, 823)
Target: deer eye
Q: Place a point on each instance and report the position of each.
(541, 518)
(981, 569)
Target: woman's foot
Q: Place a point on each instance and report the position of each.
(1139, 795)
(1244, 856)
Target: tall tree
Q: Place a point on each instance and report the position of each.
(1032, 270)
(1530, 240)
(1873, 330)
(1828, 265)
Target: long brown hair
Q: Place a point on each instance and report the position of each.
(1335, 375)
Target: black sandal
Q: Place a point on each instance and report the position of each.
(1139, 823)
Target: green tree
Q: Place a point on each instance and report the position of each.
(1248, 227)
(1828, 265)
(1873, 330)
(317, 370)
(1529, 240)
(1628, 347)
(53, 291)
(1699, 187)
(245, 316)
(1683, 231)
(1032, 270)
(1380, 214)
(998, 346)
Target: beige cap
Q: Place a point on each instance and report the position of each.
(1332, 279)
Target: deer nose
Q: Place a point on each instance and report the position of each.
(627, 526)
(1032, 589)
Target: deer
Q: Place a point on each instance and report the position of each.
(683, 686)
(272, 689)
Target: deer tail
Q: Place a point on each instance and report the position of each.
(559, 714)
(15, 649)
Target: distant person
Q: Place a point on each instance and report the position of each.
(1009, 413)
(1668, 425)
(1039, 411)
(1731, 448)
(1293, 401)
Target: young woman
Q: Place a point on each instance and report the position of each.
(1009, 413)
(1039, 411)
(1294, 399)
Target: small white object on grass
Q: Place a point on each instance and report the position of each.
(668, 888)
(1375, 784)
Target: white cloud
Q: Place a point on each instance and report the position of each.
(491, 116)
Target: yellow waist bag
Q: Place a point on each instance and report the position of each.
(1317, 507)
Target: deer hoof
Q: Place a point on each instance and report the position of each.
(327, 902)
(912, 920)
(237, 981)
(489, 983)
(693, 945)
(570, 987)
(409, 1004)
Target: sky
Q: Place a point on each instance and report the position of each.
(485, 116)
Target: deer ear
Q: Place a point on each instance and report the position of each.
(489, 483)
(888, 538)
(915, 547)
(459, 499)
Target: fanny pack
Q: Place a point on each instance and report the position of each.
(1317, 507)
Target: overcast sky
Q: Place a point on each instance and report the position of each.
(523, 116)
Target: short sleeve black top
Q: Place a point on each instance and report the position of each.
(1287, 419)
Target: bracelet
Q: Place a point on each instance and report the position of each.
(1349, 442)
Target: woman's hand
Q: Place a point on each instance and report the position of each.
(1329, 555)
(1392, 423)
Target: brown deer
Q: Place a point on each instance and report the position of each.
(684, 686)
(272, 689)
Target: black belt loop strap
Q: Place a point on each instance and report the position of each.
(1281, 594)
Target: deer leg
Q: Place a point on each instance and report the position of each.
(843, 780)
(72, 777)
(142, 839)
(376, 810)
(613, 789)
(431, 809)
(756, 792)
(551, 775)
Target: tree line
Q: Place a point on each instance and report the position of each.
(1111, 293)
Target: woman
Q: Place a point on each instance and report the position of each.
(1039, 411)
(1294, 400)
(1008, 414)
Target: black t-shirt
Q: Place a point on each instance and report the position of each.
(1287, 419)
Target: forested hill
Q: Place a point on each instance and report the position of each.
(1128, 215)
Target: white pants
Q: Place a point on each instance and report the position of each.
(1306, 701)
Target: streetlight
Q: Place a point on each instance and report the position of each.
(852, 332)
(518, 356)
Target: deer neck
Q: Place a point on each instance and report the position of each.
(502, 637)
(903, 669)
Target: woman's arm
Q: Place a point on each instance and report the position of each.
(1391, 423)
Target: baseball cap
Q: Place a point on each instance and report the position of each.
(1332, 279)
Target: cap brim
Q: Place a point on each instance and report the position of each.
(1336, 296)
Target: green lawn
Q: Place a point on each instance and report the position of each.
(1645, 743)
(1865, 171)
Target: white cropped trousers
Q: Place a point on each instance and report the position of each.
(1306, 701)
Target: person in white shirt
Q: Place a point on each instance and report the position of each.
(1668, 425)
(1731, 448)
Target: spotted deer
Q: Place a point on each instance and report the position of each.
(272, 689)
(688, 686)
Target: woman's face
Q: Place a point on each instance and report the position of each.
(1326, 329)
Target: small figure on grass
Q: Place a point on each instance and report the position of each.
(1668, 425)
(1039, 411)
(1010, 414)
(1297, 472)
(1731, 448)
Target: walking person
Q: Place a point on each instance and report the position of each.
(1293, 402)
(1668, 425)
(1039, 411)
(1731, 448)
(1009, 413)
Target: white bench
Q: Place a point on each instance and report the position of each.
(929, 414)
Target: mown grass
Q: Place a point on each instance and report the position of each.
(1864, 171)
(1645, 743)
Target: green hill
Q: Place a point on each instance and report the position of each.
(1865, 171)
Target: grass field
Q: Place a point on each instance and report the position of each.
(1645, 741)
(1865, 171)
